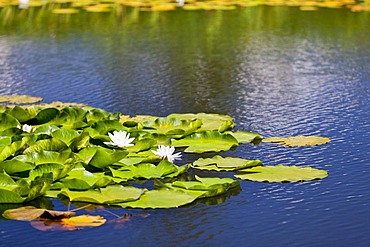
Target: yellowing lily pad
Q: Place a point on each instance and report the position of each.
(281, 173)
(298, 141)
(19, 99)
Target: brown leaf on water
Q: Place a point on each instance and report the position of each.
(29, 213)
(68, 224)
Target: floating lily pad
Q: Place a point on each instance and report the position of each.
(15, 166)
(46, 145)
(11, 194)
(281, 173)
(65, 135)
(19, 99)
(8, 121)
(246, 136)
(101, 157)
(142, 145)
(81, 179)
(160, 199)
(55, 171)
(144, 119)
(298, 141)
(210, 186)
(110, 195)
(44, 157)
(209, 121)
(173, 126)
(148, 171)
(29, 213)
(218, 163)
(43, 219)
(6, 182)
(11, 149)
(208, 141)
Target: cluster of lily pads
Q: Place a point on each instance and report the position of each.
(74, 6)
(90, 155)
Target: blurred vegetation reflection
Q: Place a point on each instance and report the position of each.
(21, 10)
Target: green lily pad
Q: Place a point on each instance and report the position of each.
(218, 163)
(65, 135)
(281, 173)
(6, 182)
(9, 193)
(173, 126)
(101, 157)
(5, 141)
(127, 161)
(217, 184)
(246, 136)
(7, 196)
(110, 195)
(104, 126)
(209, 121)
(38, 187)
(15, 166)
(54, 170)
(46, 145)
(22, 114)
(13, 148)
(71, 117)
(144, 119)
(160, 199)
(148, 171)
(81, 179)
(44, 157)
(208, 141)
(44, 116)
(7, 121)
(142, 145)
(298, 141)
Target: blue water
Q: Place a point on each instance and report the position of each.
(276, 70)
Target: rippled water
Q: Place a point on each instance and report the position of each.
(276, 70)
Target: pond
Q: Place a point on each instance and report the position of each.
(277, 71)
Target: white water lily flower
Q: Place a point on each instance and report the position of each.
(181, 2)
(166, 152)
(120, 138)
(26, 128)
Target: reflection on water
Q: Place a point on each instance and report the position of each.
(276, 70)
